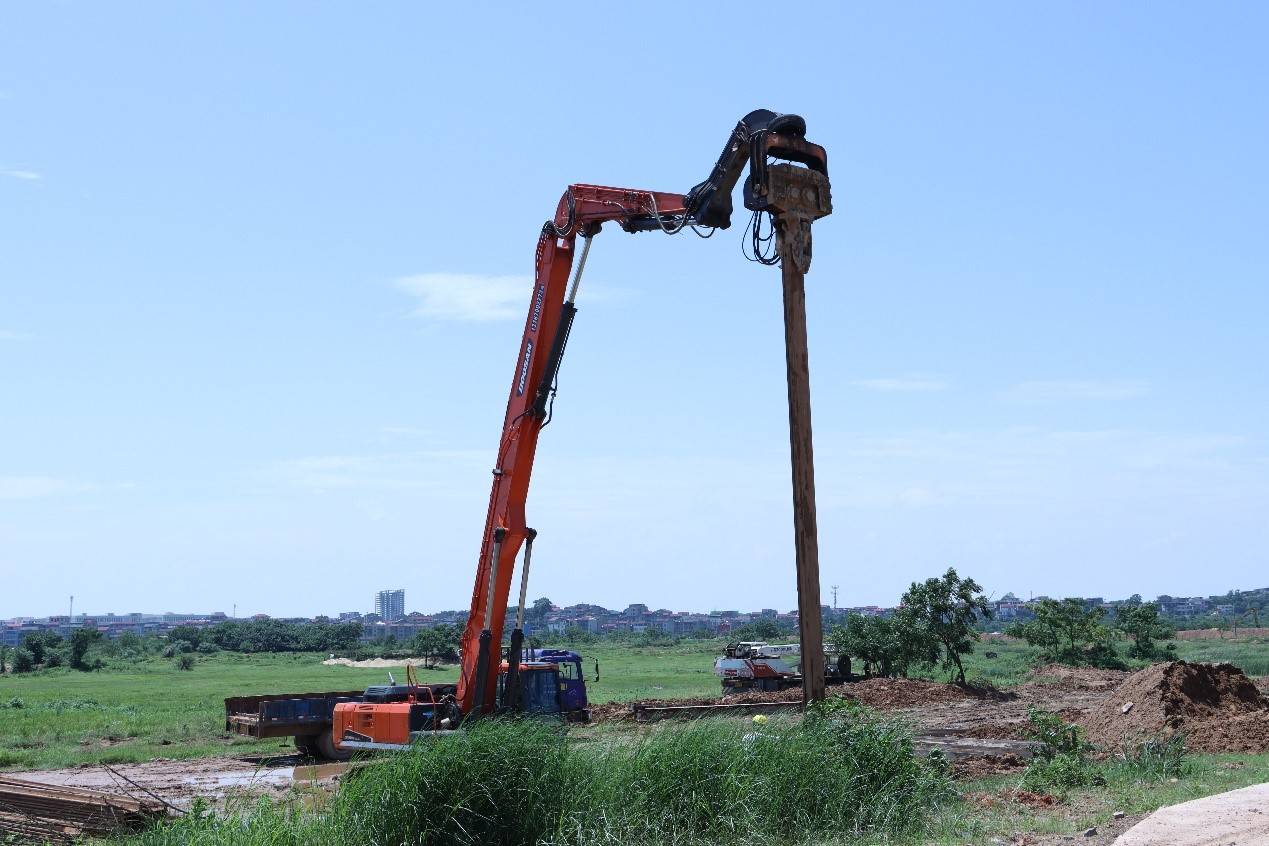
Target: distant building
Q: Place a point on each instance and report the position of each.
(390, 604)
(1010, 607)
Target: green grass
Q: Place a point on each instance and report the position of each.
(521, 782)
(149, 709)
(1014, 659)
(1251, 655)
(651, 672)
(969, 822)
(135, 711)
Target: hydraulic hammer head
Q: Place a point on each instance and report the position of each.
(760, 135)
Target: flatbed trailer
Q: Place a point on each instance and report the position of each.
(305, 716)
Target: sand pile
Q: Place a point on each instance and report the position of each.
(374, 663)
(1215, 706)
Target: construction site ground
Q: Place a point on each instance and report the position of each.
(980, 728)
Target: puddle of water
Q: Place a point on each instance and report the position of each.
(250, 778)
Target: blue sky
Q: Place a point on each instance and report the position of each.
(263, 273)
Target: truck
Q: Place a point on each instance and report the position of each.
(557, 688)
(757, 665)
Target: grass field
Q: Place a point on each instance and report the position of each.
(138, 711)
(149, 709)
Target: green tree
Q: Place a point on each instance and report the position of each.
(436, 644)
(884, 644)
(4, 653)
(191, 634)
(942, 613)
(41, 645)
(762, 629)
(81, 640)
(1069, 632)
(1143, 625)
(538, 612)
(23, 661)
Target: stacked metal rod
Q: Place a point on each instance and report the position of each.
(57, 813)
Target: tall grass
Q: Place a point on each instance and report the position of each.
(511, 783)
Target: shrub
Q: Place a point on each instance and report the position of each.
(1061, 773)
(1061, 762)
(1155, 760)
(185, 662)
(837, 774)
(14, 703)
(208, 648)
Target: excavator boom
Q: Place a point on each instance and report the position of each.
(582, 210)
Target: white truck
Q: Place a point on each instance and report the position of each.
(757, 665)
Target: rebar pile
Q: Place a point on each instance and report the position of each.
(39, 812)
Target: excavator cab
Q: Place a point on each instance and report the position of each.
(539, 689)
(550, 682)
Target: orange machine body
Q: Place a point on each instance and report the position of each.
(378, 722)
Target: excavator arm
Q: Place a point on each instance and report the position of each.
(759, 137)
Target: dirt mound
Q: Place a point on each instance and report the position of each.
(1215, 706)
(1076, 678)
(982, 766)
(1012, 796)
(902, 693)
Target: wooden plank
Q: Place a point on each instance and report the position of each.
(649, 713)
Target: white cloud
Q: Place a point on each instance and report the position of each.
(903, 384)
(36, 487)
(7, 335)
(21, 174)
(467, 297)
(1077, 390)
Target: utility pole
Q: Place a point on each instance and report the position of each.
(797, 196)
(834, 597)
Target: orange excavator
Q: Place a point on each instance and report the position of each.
(787, 181)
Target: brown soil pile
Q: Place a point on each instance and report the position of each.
(982, 766)
(1076, 678)
(902, 693)
(1215, 706)
(1012, 796)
